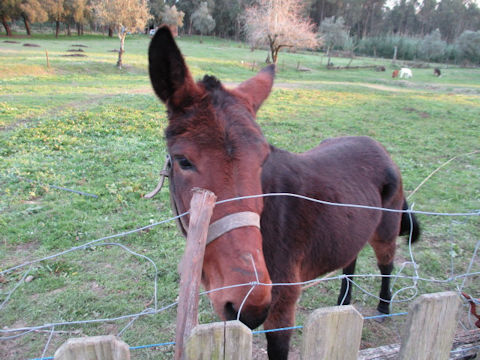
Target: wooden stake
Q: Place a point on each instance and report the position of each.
(201, 209)
(48, 62)
(430, 328)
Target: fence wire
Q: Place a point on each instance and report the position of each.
(10, 334)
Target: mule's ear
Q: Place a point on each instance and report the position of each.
(170, 77)
(257, 88)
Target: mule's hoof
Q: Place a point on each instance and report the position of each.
(380, 317)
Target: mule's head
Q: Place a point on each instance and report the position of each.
(214, 143)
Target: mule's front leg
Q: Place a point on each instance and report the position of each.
(281, 315)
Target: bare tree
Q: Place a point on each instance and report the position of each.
(124, 16)
(279, 24)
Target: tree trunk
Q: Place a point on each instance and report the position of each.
(57, 28)
(69, 32)
(275, 55)
(27, 25)
(122, 36)
(79, 32)
(6, 25)
(110, 31)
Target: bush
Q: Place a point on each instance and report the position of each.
(433, 47)
(383, 46)
(468, 47)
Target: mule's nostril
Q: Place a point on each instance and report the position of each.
(230, 312)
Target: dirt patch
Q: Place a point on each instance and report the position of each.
(11, 42)
(79, 45)
(422, 114)
(31, 45)
(75, 50)
(74, 55)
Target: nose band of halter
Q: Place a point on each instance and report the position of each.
(231, 222)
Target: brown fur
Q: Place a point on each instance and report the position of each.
(216, 144)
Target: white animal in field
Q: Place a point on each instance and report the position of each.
(405, 73)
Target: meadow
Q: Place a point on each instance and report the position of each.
(82, 124)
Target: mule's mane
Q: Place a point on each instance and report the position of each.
(214, 118)
(210, 82)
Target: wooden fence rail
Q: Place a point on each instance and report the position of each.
(329, 333)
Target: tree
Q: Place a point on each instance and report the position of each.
(124, 16)
(468, 46)
(156, 9)
(202, 21)
(9, 10)
(333, 34)
(227, 17)
(426, 16)
(450, 18)
(33, 12)
(278, 24)
(189, 7)
(78, 13)
(57, 12)
(433, 47)
(172, 18)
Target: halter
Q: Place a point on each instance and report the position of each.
(216, 229)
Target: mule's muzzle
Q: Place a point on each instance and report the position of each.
(252, 317)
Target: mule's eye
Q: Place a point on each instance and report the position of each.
(184, 163)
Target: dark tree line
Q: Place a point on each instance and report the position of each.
(362, 18)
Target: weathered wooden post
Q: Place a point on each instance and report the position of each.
(230, 340)
(93, 348)
(48, 62)
(201, 208)
(430, 328)
(332, 333)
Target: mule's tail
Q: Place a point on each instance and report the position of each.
(409, 224)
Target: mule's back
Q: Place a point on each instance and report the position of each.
(316, 237)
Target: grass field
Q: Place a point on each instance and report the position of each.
(85, 125)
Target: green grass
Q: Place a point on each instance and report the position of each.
(83, 124)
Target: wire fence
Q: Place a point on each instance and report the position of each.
(14, 333)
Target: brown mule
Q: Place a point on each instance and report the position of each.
(215, 143)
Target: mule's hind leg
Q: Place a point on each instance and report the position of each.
(346, 289)
(385, 252)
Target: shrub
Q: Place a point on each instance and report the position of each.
(468, 47)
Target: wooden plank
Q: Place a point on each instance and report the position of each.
(332, 333)
(93, 348)
(201, 208)
(430, 327)
(465, 344)
(229, 340)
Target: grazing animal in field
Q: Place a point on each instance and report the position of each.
(437, 72)
(214, 142)
(395, 74)
(405, 73)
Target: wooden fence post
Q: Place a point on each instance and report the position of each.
(230, 340)
(201, 208)
(430, 328)
(106, 347)
(332, 333)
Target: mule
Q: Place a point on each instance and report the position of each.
(214, 142)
